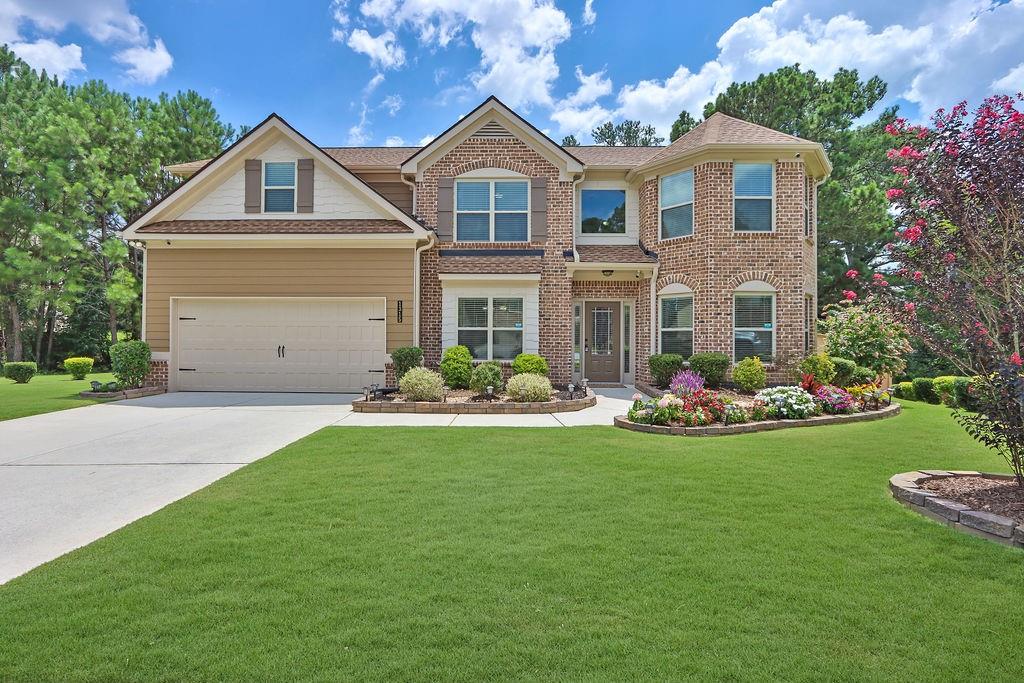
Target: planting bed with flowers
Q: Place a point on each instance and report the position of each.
(689, 404)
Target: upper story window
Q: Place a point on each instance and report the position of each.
(808, 200)
(753, 186)
(492, 210)
(676, 198)
(279, 187)
(603, 212)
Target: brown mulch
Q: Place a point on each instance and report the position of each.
(467, 396)
(998, 496)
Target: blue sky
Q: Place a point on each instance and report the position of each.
(400, 71)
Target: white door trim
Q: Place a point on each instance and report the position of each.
(624, 377)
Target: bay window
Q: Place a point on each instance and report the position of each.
(753, 197)
(492, 210)
(491, 327)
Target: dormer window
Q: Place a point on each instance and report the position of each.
(279, 187)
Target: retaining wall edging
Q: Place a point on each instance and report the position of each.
(478, 408)
(623, 422)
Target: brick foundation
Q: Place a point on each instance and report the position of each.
(157, 376)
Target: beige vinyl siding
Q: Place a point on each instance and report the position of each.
(391, 186)
(280, 273)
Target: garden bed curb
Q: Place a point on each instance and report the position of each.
(906, 489)
(764, 426)
(478, 408)
(127, 393)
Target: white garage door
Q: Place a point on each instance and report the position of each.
(279, 344)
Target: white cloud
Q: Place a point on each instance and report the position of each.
(1012, 82)
(56, 60)
(579, 113)
(392, 104)
(358, 134)
(394, 141)
(589, 15)
(659, 102)
(425, 140)
(105, 21)
(372, 84)
(383, 50)
(146, 65)
(516, 40)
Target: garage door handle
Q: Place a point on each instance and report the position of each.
(282, 350)
(376, 319)
(380, 371)
(278, 350)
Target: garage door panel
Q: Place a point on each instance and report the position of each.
(232, 344)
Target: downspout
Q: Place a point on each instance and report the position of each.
(654, 310)
(575, 184)
(431, 241)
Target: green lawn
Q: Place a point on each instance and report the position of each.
(45, 394)
(555, 554)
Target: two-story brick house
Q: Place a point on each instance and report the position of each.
(283, 265)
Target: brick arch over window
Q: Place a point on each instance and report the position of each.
(507, 165)
(675, 280)
(752, 275)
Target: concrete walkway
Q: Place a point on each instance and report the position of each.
(70, 477)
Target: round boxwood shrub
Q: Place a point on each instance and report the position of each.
(79, 367)
(664, 365)
(529, 363)
(711, 366)
(924, 389)
(406, 358)
(944, 388)
(819, 365)
(486, 375)
(964, 395)
(129, 361)
(750, 374)
(422, 384)
(20, 371)
(844, 371)
(457, 367)
(529, 387)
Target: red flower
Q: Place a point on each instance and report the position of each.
(1016, 359)
(917, 275)
(893, 193)
(849, 296)
(901, 170)
(912, 234)
(852, 274)
(949, 258)
(911, 308)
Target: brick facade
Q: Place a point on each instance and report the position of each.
(157, 376)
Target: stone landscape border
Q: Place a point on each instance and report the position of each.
(763, 426)
(476, 408)
(906, 489)
(127, 393)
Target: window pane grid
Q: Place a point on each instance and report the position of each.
(753, 197)
(677, 325)
(492, 210)
(492, 328)
(279, 187)
(676, 203)
(753, 326)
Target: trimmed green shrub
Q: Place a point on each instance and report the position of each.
(711, 366)
(663, 366)
(129, 361)
(421, 384)
(944, 389)
(529, 387)
(924, 389)
(819, 365)
(863, 375)
(457, 367)
(750, 374)
(78, 367)
(963, 394)
(486, 375)
(529, 363)
(20, 371)
(405, 359)
(904, 390)
(844, 371)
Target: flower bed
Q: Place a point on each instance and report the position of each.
(694, 410)
(953, 497)
(466, 402)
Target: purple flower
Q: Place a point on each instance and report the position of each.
(685, 382)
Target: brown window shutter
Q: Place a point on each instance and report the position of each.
(445, 204)
(538, 209)
(304, 186)
(253, 186)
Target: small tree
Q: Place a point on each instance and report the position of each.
(867, 336)
(960, 245)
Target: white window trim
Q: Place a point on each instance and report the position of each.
(664, 296)
(294, 187)
(491, 212)
(771, 197)
(490, 329)
(692, 202)
(750, 289)
(609, 186)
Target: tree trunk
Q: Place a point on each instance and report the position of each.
(41, 315)
(12, 309)
(112, 314)
(51, 321)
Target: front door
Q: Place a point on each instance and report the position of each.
(601, 342)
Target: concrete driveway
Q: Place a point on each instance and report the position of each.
(70, 477)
